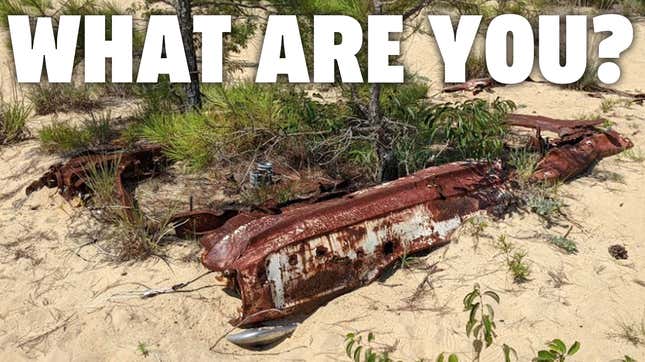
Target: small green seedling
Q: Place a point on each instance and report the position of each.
(557, 352)
(452, 358)
(357, 351)
(481, 319)
(143, 349)
(567, 245)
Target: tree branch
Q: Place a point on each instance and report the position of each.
(415, 10)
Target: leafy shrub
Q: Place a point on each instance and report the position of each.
(474, 128)
(13, 120)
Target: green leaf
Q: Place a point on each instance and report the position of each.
(348, 348)
(574, 348)
(453, 358)
(491, 312)
(488, 331)
(493, 295)
(370, 337)
(440, 358)
(477, 330)
(548, 355)
(357, 354)
(469, 326)
(558, 345)
(468, 300)
(507, 353)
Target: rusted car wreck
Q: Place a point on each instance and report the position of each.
(306, 254)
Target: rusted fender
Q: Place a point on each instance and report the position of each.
(71, 177)
(574, 155)
(294, 261)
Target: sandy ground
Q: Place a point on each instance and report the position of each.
(61, 302)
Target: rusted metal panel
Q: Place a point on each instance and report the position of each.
(560, 126)
(476, 85)
(305, 256)
(572, 157)
(71, 178)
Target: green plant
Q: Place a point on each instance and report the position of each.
(476, 67)
(523, 161)
(359, 351)
(132, 235)
(143, 349)
(543, 200)
(557, 352)
(633, 155)
(53, 98)
(474, 128)
(564, 243)
(13, 121)
(515, 260)
(589, 80)
(451, 358)
(628, 359)
(481, 318)
(63, 137)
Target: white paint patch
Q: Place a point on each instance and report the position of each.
(446, 227)
(274, 275)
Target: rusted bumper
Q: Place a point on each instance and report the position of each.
(308, 255)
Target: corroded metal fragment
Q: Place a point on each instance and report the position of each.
(575, 155)
(476, 85)
(71, 178)
(307, 255)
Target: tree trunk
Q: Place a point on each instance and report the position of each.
(193, 94)
(388, 164)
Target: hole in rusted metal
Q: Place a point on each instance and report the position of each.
(321, 251)
(388, 247)
(293, 259)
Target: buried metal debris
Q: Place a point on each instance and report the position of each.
(295, 257)
(261, 336)
(296, 260)
(71, 178)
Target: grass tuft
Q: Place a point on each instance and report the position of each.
(133, 235)
(63, 137)
(54, 98)
(13, 122)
